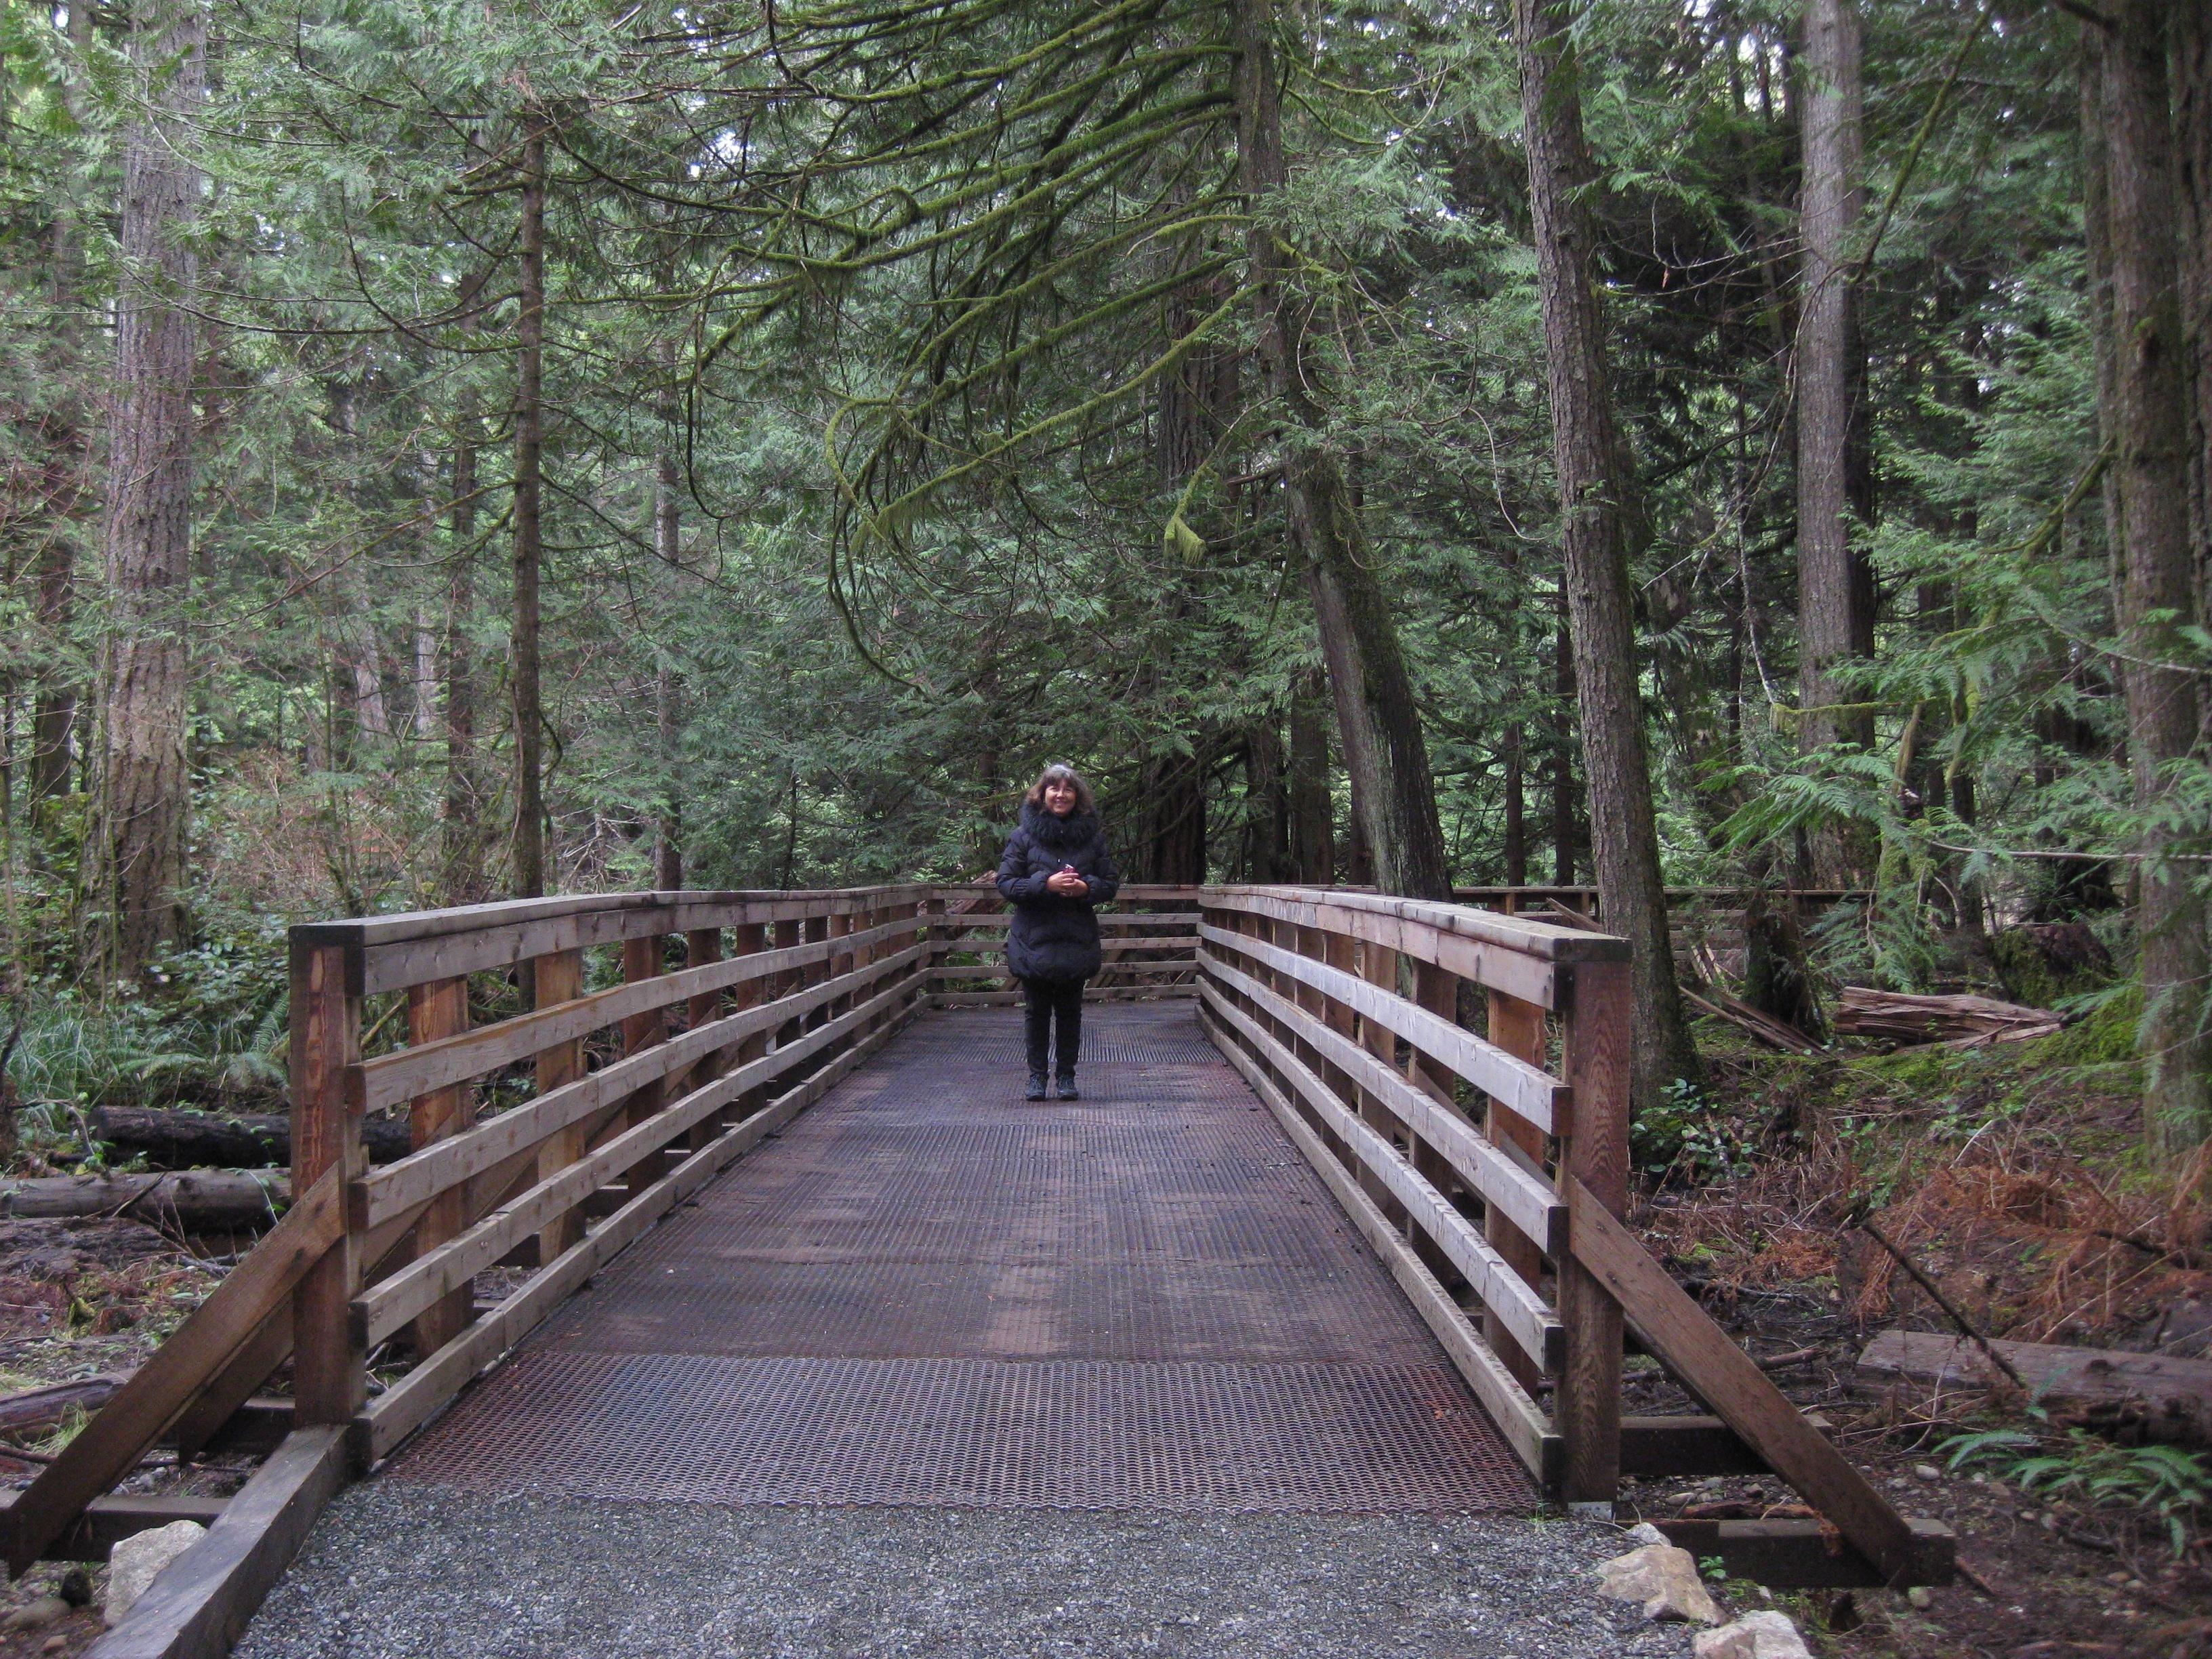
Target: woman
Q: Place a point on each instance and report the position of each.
(1054, 871)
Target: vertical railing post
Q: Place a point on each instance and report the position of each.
(439, 1009)
(559, 977)
(1597, 1010)
(1435, 989)
(642, 959)
(702, 945)
(329, 1372)
(1378, 966)
(1517, 1027)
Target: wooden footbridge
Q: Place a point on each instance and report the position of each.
(1373, 1261)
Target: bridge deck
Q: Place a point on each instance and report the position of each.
(928, 1293)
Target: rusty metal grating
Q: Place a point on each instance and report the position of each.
(925, 1290)
(1061, 1434)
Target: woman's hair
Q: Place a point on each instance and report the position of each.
(1057, 772)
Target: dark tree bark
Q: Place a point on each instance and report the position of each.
(2191, 23)
(1379, 723)
(1565, 839)
(529, 851)
(137, 852)
(1835, 584)
(1312, 812)
(461, 837)
(1598, 523)
(668, 687)
(1266, 857)
(2146, 419)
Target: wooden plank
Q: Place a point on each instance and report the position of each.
(1701, 1353)
(2161, 1396)
(397, 1076)
(414, 1180)
(107, 1520)
(328, 1376)
(1523, 935)
(1691, 1446)
(1519, 1309)
(1489, 964)
(449, 1269)
(129, 1425)
(1518, 1028)
(1544, 1100)
(410, 1401)
(559, 980)
(1093, 994)
(240, 1377)
(435, 1010)
(1488, 1171)
(1524, 1426)
(197, 1605)
(1799, 1554)
(1593, 1046)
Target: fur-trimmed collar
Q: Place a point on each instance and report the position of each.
(1048, 829)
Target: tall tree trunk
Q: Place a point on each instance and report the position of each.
(2191, 25)
(461, 838)
(1835, 585)
(1378, 721)
(1267, 812)
(2146, 421)
(668, 689)
(137, 863)
(1516, 810)
(1598, 519)
(1564, 838)
(529, 856)
(1312, 812)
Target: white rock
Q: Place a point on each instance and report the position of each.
(1664, 1579)
(1762, 1635)
(136, 1561)
(1644, 1533)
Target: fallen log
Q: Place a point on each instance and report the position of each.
(1955, 1022)
(1771, 1032)
(193, 1200)
(2149, 1396)
(37, 1409)
(196, 1140)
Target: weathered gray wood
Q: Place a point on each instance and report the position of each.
(197, 1605)
(197, 1200)
(2163, 1397)
(1525, 1427)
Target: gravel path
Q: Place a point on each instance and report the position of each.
(410, 1571)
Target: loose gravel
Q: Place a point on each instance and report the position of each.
(412, 1572)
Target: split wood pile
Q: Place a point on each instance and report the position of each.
(193, 1140)
(1955, 1022)
(2131, 1396)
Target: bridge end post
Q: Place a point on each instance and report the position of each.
(1597, 1009)
(330, 1372)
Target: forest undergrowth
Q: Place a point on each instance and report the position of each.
(2013, 1178)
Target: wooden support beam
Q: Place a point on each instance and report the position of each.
(435, 1010)
(560, 979)
(1690, 1447)
(1807, 1555)
(329, 1374)
(106, 1522)
(197, 1605)
(1594, 1169)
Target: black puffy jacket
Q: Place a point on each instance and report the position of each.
(1052, 937)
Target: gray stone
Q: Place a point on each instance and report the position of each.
(1644, 1533)
(36, 1615)
(1663, 1579)
(1762, 1635)
(135, 1562)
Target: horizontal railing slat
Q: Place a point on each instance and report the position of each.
(406, 1073)
(1519, 1196)
(1519, 1309)
(1520, 1087)
(423, 1175)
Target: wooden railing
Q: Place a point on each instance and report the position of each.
(1448, 1145)
(1460, 1078)
(1150, 939)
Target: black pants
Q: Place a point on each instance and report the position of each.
(1048, 999)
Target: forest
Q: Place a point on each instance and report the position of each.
(1759, 448)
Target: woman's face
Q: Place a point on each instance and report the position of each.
(1060, 797)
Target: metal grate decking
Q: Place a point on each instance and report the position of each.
(926, 1291)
